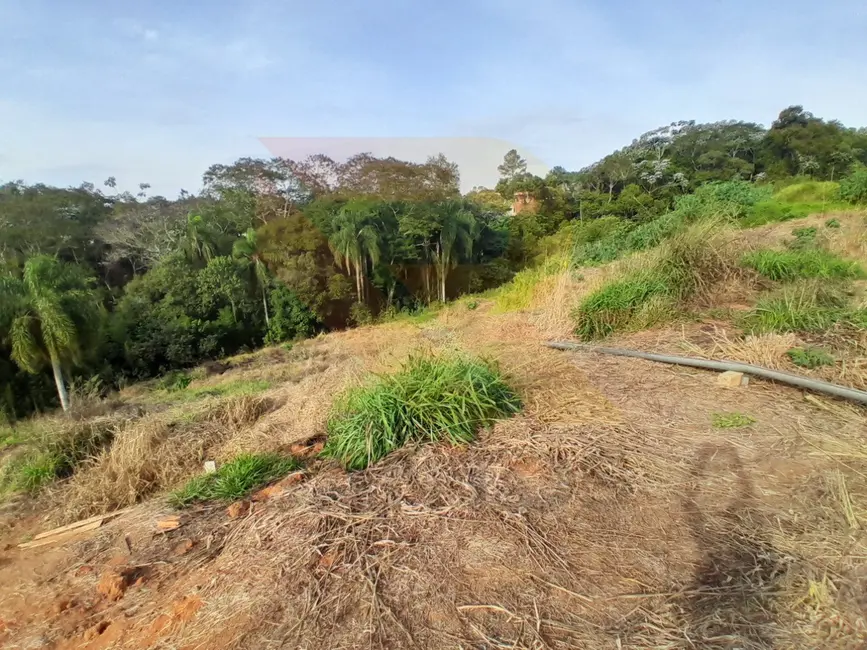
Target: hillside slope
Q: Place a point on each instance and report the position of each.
(631, 505)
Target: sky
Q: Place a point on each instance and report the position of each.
(158, 91)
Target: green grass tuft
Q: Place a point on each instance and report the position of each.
(810, 357)
(803, 307)
(809, 192)
(731, 420)
(804, 263)
(615, 305)
(688, 264)
(832, 223)
(235, 479)
(429, 399)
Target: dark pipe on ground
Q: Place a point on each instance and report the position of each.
(852, 394)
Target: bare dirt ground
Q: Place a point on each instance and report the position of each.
(610, 514)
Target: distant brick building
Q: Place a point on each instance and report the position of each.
(524, 202)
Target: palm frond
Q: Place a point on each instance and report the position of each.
(26, 351)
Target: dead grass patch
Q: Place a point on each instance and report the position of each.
(154, 454)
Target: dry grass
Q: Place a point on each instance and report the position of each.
(551, 535)
(769, 350)
(153, 454)
(610, 515)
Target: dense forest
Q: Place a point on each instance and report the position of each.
(100, 288)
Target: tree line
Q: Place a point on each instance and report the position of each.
(99, 288)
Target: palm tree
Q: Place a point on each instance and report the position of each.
(46, 314)
(197, 242)
(246, 248)
(354, 243)
(457, 231)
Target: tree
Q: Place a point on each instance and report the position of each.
(355, 241)
(198, 242)
(513, 166)
(457, 231)
(246, 248)
(47, 313)
(222, 278)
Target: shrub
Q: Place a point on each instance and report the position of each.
(174, 381)
(360, 314)
(810, 357)
(619, 242)
(804, 238)
(805, 307)
(731, 420)
(235, 479)
(290, 317)
(429, 399)
(853, 188)
(785, 266)
(809, 192)
(472, 305)
(727, 199)
(832, 223)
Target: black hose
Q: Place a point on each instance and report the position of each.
(766, 373)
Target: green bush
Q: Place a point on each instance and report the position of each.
(290, 317)
(853, 188)
(174, 381)
(804, 238)
(727, 199)
(832, 223)
(622, 241)
(731, 420)
(235, 479)
(810, 357)
(429, 399)
(809, 192)
(360, 314)
(785, 266)
(804, 307)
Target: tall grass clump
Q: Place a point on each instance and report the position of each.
(786, 266)
(618, 304)
(429, 399)
(801, 307)
(54, 448)
(686, 266)
(234, 480)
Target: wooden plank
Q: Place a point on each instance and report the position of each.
(62, 537)
(79, 524)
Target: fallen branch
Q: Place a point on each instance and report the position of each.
(757, 371)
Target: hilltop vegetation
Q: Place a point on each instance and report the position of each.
(102, 288)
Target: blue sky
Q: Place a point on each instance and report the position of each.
(157, 91)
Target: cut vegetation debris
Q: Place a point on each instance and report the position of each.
(234, 480)
(429, 399)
